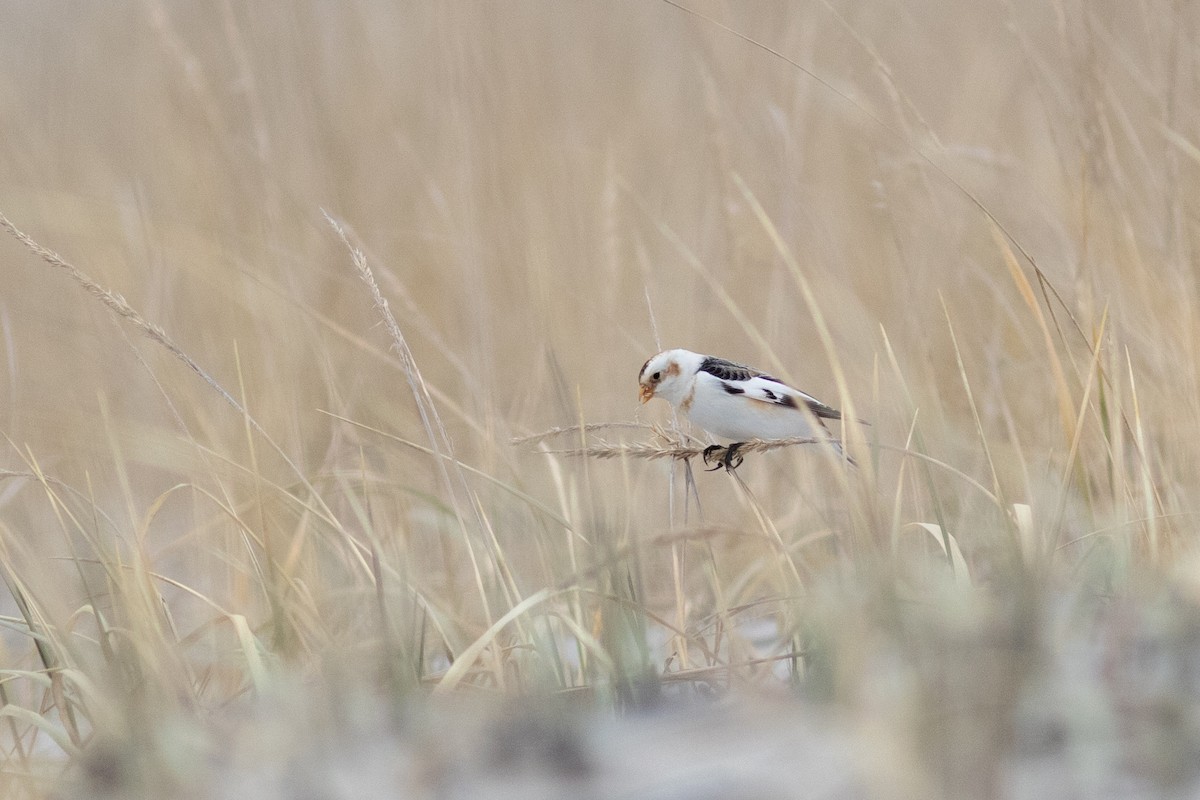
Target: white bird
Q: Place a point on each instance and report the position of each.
(733, 401)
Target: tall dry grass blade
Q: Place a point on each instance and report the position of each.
(979, 431)
(591, 427)
(524, 497)
(953, 556)
(18, 743)
(41, 723)
(935, 497)
(435, 431)
(33, 624)
(901, 478)
(1048, 289)
(851, 425)
(743, 319)
(253, 652)
(1066, 404)
(658, 345)
(421, 323)
(48, 646)
(680, 642)
(1181, 142)
(798, 277)
(796, 64)
(119, 307)
(899, 97)
(57, 648)
(1076, 439)
(769, 529)
(1026, 533)
(470, 655)
(1152, 503)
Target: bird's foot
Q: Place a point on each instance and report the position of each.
(729, 459)
(709, 453)
(732, 460)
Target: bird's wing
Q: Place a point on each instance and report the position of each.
(818, 408)
(757, 385)
(769, 390)
(731, 371)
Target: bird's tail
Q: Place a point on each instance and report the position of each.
(841, 452)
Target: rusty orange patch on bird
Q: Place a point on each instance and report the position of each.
(686, 404)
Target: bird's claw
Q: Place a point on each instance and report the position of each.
(730, 459)
(708, 453)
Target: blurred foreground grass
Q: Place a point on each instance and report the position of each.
(264, 534)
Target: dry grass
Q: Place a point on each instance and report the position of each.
(321, 440)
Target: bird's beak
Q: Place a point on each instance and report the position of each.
(645, 392)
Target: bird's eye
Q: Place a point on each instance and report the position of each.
(656, 376)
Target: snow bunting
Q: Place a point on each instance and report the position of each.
(733, 401)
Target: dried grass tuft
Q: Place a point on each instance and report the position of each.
(674, 447)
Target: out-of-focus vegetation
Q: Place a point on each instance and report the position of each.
(263, 534)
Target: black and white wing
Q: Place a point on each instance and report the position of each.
(755, 385)
(730, 371)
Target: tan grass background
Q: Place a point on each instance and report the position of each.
(547, 194)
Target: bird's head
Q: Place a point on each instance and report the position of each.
(668, 375)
